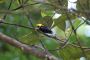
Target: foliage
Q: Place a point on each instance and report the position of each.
(31, 12)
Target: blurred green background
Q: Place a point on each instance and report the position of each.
(31, 12)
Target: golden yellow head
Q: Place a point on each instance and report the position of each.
(39, 25)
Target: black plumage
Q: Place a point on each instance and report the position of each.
(45, 29)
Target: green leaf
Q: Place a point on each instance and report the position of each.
(30, 38)
(70, 53)
(60, 22)
(46, 13)
(76, 23)
(50, 44)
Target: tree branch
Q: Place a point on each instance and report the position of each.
(16, 24)
(26, 48)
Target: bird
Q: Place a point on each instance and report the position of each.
(44, 29)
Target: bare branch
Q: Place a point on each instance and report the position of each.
(26, 48)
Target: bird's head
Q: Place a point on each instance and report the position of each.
(39, 25)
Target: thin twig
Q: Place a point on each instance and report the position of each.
(75, 35)
(21, 6)
(17, 25)
(8, 9)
